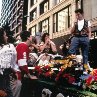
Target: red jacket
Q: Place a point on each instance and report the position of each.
(23, 56)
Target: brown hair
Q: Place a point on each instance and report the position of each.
(79, 10)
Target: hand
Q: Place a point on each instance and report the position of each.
(47, 41)
(33, 44)
(52, 43)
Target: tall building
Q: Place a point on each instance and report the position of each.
(52, 16)
(56, 16)
(12, 13)
(49, 16)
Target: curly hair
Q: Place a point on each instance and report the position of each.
(43, 36)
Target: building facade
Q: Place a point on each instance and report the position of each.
(56, 16)
(12, 13)
(52, 16)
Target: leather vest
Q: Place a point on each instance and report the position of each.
(84, 30)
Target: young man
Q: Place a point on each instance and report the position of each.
(23, 53)
(81, 31)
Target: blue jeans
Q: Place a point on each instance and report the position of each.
(84, 44)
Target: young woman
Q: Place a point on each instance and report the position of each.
(47, 46)
(47, 49)
(7, 62)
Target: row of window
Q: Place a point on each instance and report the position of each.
(44, 6)
(61, 20)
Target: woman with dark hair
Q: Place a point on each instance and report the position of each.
(47, 49)
(43, 36)
(7, 62)
(3, 37)
(47, 46)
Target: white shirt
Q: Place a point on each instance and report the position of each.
(7, 57)
(81, 24)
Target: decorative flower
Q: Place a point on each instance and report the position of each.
(59, 75)
(94, 72)
(46, 68)
(70, 78)
(89, 80)
(68, 72)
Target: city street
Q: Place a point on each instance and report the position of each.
(48, 48)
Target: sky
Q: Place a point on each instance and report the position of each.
(0, 7)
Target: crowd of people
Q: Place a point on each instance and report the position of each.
(15, 59)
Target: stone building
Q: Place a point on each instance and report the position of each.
(52, 16)
(56, 16)
(12, 13)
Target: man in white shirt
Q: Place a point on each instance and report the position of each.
(81, 31)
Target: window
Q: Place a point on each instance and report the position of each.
(33, 15)
(44, 6)
(32, 2)
(62, 20)
(44, 26)
(79, 4)
(33, 30)
(58, 1)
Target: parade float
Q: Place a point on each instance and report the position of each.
(65, 75)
